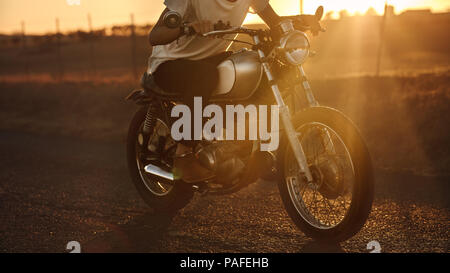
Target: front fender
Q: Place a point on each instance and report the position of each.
(140, 97)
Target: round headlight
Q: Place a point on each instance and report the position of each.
(295, 46)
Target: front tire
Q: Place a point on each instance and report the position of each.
(167, 198)
(331, 177)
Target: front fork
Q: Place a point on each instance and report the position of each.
(326, 137)
(285, 117)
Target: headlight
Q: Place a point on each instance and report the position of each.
(295, 46)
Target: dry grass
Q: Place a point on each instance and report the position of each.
(403, 119)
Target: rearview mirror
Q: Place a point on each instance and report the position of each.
(172, 19)
(319, 13)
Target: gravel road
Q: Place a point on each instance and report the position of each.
(55, 190)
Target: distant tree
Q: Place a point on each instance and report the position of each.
(120, 30)
(371, 12)
(143, 29)
(100, 32)
(390, 11)
(38, 39)
(73, 35)
(329, 15)
(343, 14)
(49, 39)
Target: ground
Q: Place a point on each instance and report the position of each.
(57, 190)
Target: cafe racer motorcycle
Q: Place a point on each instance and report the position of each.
(322, 166)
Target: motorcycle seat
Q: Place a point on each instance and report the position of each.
(149, 84)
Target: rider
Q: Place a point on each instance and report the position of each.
(192, 60)
(187, 64)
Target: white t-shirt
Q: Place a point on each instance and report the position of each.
(196, 47)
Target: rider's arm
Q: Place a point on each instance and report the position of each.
(162, 35)
(269, 16)
(272, 19)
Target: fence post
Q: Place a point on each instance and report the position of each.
(382, 37)
(60, 72)
(301, 6)
(24, 51)
(92, 47)
(133, 48)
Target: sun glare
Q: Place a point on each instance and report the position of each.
(291, 7)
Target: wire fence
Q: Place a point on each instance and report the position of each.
(58, 41)
(55, 42)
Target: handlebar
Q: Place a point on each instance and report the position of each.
(221, 29)
(301, 22)
(233, 30)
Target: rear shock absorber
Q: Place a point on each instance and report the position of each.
(149, 125)
(150, 120)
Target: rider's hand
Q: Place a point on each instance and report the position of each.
(312, 22)
(202, 27)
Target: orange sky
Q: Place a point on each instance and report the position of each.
(39, 15)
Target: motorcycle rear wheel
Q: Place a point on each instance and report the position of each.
(160, 195)
(322, 209)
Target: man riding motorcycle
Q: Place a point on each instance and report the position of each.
(187, 64)
(322, 165)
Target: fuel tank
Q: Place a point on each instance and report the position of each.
(239, 77)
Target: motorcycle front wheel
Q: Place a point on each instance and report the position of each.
(336, 204)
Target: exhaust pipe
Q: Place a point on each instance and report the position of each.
(155, 170)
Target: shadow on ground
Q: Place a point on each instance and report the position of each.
(135, 236)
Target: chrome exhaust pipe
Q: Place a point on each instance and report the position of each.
(155, 170)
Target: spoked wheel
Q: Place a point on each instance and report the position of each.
(160, 194)
(161, 133)
(325, 201)
(336, 203)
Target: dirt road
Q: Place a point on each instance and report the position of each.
(54, 190)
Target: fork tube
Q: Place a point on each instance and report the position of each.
(314, 103)
(285, 116)
(307, 87)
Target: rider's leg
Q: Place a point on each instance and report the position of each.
(192, 79)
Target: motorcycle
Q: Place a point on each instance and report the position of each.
(322, 166)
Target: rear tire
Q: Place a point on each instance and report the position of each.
(179, 195)
(363, 186)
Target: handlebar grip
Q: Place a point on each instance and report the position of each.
(187, 30)
(191, 31)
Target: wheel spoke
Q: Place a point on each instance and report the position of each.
(322, 202)
(155, 185)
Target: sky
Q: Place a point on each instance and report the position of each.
(39, 16)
